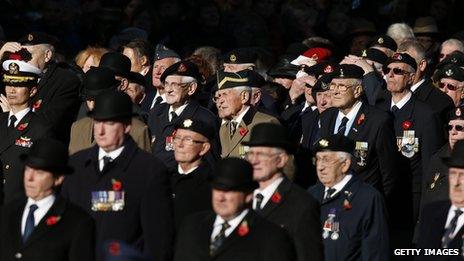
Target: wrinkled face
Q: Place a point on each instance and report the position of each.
(454, 134)
(158, 68)
(323, 101)
(266, 162)
(255, 96)
(445, 50)
(331, 169)
(232, 67)
(124, 83)
(397, 83)
(136, 65)
(189, 146)
(135, 92)
(229, 102)
(344, 92)
(18, 96)
(177, 91)
(89, 63)
(453, 89)
(287, 83)
(109, 135)
(39, 56)
(38, 184)
(456, 186)
(229, 204)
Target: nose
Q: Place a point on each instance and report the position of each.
(99, 129)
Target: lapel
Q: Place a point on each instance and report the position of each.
(352, 186)
(238, 137)
(439, 219)
(278, 198)
(12, 136)
(309, 124)
(14, 229)
(359, 121)
(42, 228)
(188, 112)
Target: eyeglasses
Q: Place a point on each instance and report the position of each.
(456, 127)
(324, 161)
(340, 87)
(176, 85)
(448, 86)
(396, 71)
(260, 155)
(187, 140)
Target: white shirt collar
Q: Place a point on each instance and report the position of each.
(113, 154)
(178, 111)
(351, 117)
(43, 206)
(339, 186)
(306, 105)
(415, 86)
(267, 192)
(182, 172)
(402, 102)
(163, 99)
(239, 118)
(233, 223)
(19, 115)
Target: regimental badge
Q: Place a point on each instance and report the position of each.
(108, 200)
(341, 73)
(233, 58)
(408, 144)
(324, 86)
(187, 123)
(328, 69)
(458, 112)
(380, 41)
(181, 68)
(30, 37)
(13, 68)
(324, 143)
(364, 53)
(454, 60)
(434, 181)
(449, 72)
(361, 152)
(397, 56)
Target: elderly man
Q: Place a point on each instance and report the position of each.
(181, 80)
(20, 127)
(451, 82)
(449, 46)
(441, 223)
(191, 191)
(239, 60)
(125, 189)
(352, 212)
(45, 226)
(164, 58)
(233, 231)
(279, 200)
(233, 99)
(57, 98)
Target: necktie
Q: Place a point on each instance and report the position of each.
(259, 200)
(450, 229)
(394, 109)
(219, 238)
(158, 100)
(233, 128)
(328, 195)
(30, 222)
(106, 160)
(342, 127)
(13, 119)
(173, 116)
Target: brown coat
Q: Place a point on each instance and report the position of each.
(82, 135)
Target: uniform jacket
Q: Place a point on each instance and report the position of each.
(12, 145)
(363, 232)
(261, 241)
(161, 128)
(146, 220)
(191, 193)
(379, 167)
(71, 238)
(293, 209)
(82, 135)
(231, 146)
(57, 100)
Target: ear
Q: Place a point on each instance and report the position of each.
(283, 159)
(192, 88)
(249, 198)
(127, 128)
(346, 165)
(124, 84)
(422, 65)
(257, 95)
(358, 90)
(144, 61)
(245, 97)
(58, 181)
(33, 91)
(411, 78)
(205, 148)
(48, 55)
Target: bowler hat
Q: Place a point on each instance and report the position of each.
(425, 26)
(117, 62)
(48, 154)
(456, 160)
(233, 174)
(335, 142)
(98, 80)
(112, 105)
(270, 135)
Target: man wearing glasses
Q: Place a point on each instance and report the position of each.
(181, 80)
(451, 81)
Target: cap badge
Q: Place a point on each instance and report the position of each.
(458, 112)
(13, 68)
(454, 60)
(30, 37)
(341, 73)
(380, 41)
(324, 86)
(187, 123)
(328, 69)
(397, 56)
(449, 72)
(233, 58)
(324, 143)
(364, 53)
(182, 68)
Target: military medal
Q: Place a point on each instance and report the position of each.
(361, 152)
(336, 229)
(435, 178)
(328, 224)
(408, 143)
(107, 200)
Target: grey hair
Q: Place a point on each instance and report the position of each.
(413, 48)
(46, 47)
(400, 32)
(188, 79)
(242, 89)
(455, 42)
(344, 155)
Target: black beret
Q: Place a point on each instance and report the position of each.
(348, 71)
(226, 80)
(162, 52)
(240, 56)
(198, 126)
(233, 174)
(321, 68)
(283, 69)
(255, 79)
(451, 71)
(402, 58)
(455, 57)
(182, 68)
(34, 38)
(335, 142)
(456, 114)
(384, 41)
(136, 77)
(375, 55)
(322, 84)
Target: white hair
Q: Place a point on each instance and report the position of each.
(454, 42)
(400, 32)
(344, 155)
(240, 89)
(413, 48)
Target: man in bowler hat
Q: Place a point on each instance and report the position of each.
(125, 189)
(45, 226)
(233, 231)
(279, 200)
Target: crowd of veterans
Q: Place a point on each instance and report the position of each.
(140, 151)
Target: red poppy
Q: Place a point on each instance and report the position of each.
(242, 131)
(37, 104)
(117, 185)
(15, 56)
(406, 125)
(243, 229)
(52, 220)
(360, 119)
(114, 249)
(347, 205)
(276, 197)
(22, 126)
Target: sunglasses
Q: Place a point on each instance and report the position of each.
(396, 71)
(457, 127)
(447, 85)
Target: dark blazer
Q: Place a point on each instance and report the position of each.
(432, 228)
(363, 233)
(146, 220)
(30, 127)
(379, 167)
(71, 238)
(57, 100)
(299, 214)
(191, 193)
(292, 119)
(263, 241)
(161, 127)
